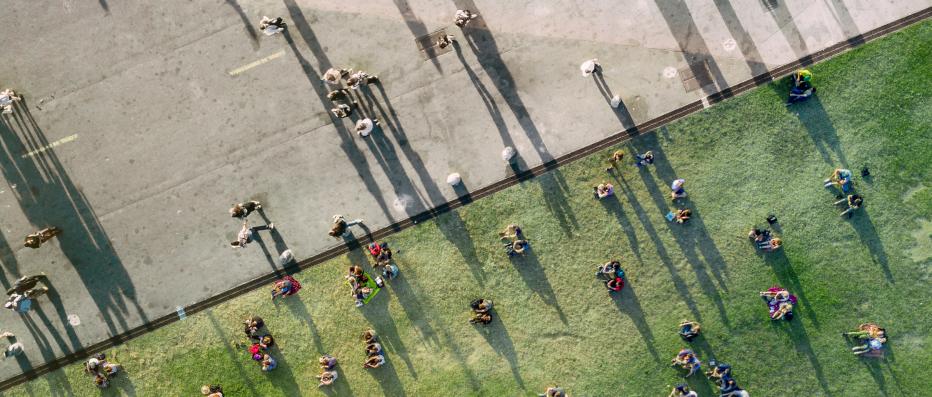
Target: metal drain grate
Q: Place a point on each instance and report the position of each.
(770, 5)
(427, 45)
(696, 75)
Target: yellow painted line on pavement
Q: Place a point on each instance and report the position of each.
(253, 64)
(51, 145)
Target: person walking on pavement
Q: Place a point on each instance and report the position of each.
(462, 17)
(340, 226)
(14, 348)
(28, 283)
(445, 41)
(246, 234)
(271, 26)
(589, 67)
(7, 97)
(365, 126)
(242, 210)
(36, 239)
(361, 78)
(333, 76)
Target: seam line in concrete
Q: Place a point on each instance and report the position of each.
(522, 176)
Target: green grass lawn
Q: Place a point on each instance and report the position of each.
(742, 159)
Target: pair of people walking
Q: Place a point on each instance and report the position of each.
(247, 234)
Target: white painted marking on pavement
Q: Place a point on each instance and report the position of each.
(705, 102)
(181, 313)
(729, 45)
(74, 320)
(253, 64)
(51, 145)
(669, 72)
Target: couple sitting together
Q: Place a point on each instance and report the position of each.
(780, 302)
(482, 311)
(515, 243)
(764, 240)
(613, 275)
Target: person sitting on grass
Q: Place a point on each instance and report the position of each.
(252, 327)
(266, 342)
(373, 349)
(268, 363)
(852, 202)
(615, 284)
(644, 159)
(287, 286)
(327, 362)
(759, 235)
(728, 387)
(389, 271)
(682, 215)
(111, 369)
(689, 330)
(360, 294)
(517, 247)
(783, 311)
(720, 371)
(677, 190)
(369, 336)
(609, 270)
(482, 311)
(840, 177)
(327, 377)
(613, 161)
(802, 88)
(212, 390)
(511, 232)
(374, 361)
(687, 359)
(771, 245)
(682, 390)
(553, 391)
(101, 381)
(874, 335)
(381, 253)
(603, 190)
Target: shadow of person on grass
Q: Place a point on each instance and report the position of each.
(861, 221)
(496, 335)
(234, 354)
(816, 121)
(613, 206)
(453, 228)
(531, 271)
(627, 302)
(678, 283)
(800, 337)
(788, 279)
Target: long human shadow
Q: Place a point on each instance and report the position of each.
(282, 376)
(235, 357)
(661, 200)
(621, 112)
(487, 99)
(297, 308)
(48, 197)
(689, 38)
(868, 235)
(743, 40)
(818, 125)
(800, 337)
(250, 30)
(59, 386)
(788, 279)
(496, 335)
(454, 230)
(419, 315)
(613, 206)
(387, 378)
(347, 144)
(56, 301)
(781, 15)
(104, 5)
(8, 261)
(531, 271)
(678, 283)
(416, 26)
(846, 22)
(627, 302)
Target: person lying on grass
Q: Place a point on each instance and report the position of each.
(374, 361)
(682, 390)
(689, 330)
(603, 190)
(852, 203)
(873, 335)
(687, 359)
(327, 377)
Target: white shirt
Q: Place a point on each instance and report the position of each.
(367, 126)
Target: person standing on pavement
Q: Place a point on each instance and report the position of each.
(14, 348)
(365, 126)
(7, 97)
(271, 26)
(27, 283)
(340, 227)
(462, 17)
(589, 67)
(242, 210)
(36, 239)
(245, 235)
(360, 78)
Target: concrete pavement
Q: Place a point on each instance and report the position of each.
(145, 122)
